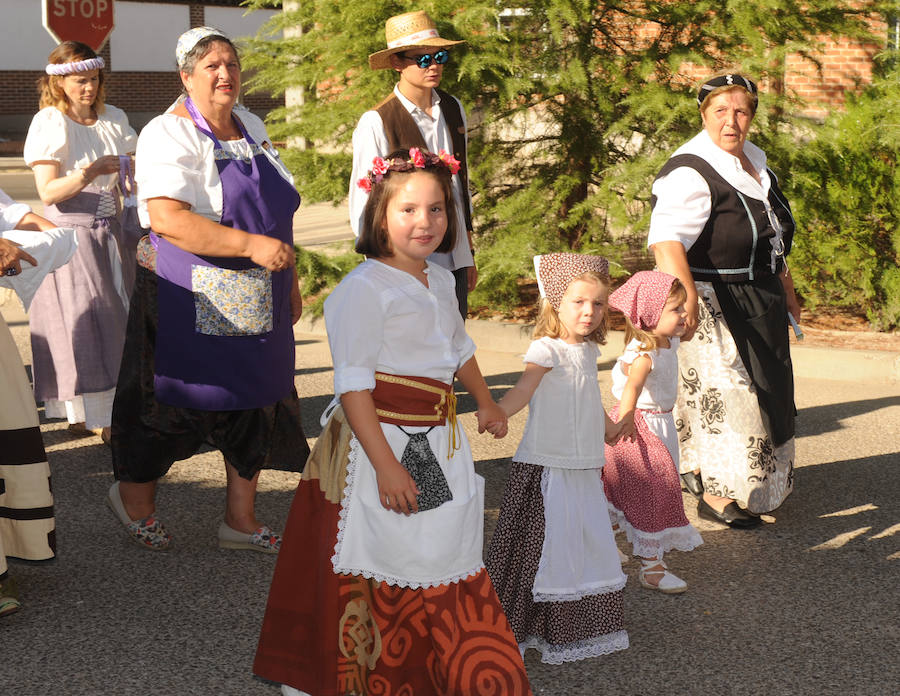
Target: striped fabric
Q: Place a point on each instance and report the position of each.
(27, 526)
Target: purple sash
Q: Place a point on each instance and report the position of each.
(225, 340)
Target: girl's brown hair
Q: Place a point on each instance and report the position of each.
(647, 340)
(373, 240)
(548, 323)
(50, 86)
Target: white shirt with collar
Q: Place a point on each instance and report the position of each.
(683, 201)
(370, 141)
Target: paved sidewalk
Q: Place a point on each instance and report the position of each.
(807, 606)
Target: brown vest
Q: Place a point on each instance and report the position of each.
(402, 133)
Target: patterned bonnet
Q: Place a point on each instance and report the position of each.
(556, 271)
(643, 297)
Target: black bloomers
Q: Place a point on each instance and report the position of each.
(149, 436)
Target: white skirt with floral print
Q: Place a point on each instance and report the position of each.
(720, 431)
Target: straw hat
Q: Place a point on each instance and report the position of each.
(406, 31)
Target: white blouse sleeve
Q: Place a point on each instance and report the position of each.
(126, 134)
(170, 161)
(353, 320)
(11, 213)
(46, 140)
(539, 353)
(369, 142)
(683, 205)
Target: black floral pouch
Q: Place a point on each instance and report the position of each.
(423, 466)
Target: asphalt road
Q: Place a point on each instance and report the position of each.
(808, 605)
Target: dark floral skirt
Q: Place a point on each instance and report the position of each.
(149, 436)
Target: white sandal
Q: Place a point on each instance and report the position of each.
(668, 583)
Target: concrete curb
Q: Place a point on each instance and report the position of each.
(871, 366)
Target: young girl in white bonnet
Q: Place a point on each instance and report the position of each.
(553, 558)
(641, 472)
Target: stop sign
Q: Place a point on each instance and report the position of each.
(87, 21)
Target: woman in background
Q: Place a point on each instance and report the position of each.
(79, 313)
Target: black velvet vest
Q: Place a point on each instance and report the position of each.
(402, 133)
(736, 243)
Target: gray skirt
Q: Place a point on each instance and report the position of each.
(78, 315)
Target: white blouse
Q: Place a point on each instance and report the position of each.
(381, 318)
(683, 201)
(175, 160)
(661, 386)
(54, 137)
(565, 426)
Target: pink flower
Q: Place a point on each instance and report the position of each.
(448, 159)
(380, 166)
(416, 157)
(365, 184)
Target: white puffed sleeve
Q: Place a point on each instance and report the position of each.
(170, 162)
(683, 205)
(47, 139)
(125, 134)
(11, 213)
(354, 317)
(540, 353)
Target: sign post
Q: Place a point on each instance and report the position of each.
(87, 21)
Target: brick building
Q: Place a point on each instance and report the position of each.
(141, 77)
(140, 56)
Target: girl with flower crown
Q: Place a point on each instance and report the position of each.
(380, 585)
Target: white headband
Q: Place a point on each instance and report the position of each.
(75, 66)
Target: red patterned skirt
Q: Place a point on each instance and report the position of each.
(337, 635)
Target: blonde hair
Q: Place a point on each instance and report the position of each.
(50, 86)
(549, 324)
(649, 341)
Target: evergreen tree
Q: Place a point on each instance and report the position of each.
(574, 104)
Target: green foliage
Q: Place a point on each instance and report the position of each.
(573, 104)
(845, 187)
(319, 273)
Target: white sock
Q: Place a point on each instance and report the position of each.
(291, 691)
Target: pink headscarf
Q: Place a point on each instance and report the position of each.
(643, 297)
(556, 271)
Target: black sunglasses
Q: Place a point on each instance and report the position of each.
(440, 57)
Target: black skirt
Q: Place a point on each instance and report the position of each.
(149, 436)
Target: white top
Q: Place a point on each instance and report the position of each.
(370, 141)
(54, 137)
(381, 318)
(50, 248)
(683, 201)
(661, 386)
(175, 160)
(565, 424)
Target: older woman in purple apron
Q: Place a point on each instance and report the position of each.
(209, 353)
(79, 313)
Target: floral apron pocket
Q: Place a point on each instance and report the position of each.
(232, 302)
(423, 466)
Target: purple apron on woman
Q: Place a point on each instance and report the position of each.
(225, 339)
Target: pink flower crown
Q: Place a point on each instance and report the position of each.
(418, 159)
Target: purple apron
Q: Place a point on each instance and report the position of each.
(225, 340)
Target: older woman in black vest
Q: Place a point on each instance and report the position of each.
(723, 227)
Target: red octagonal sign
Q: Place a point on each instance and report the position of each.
(88, 21)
